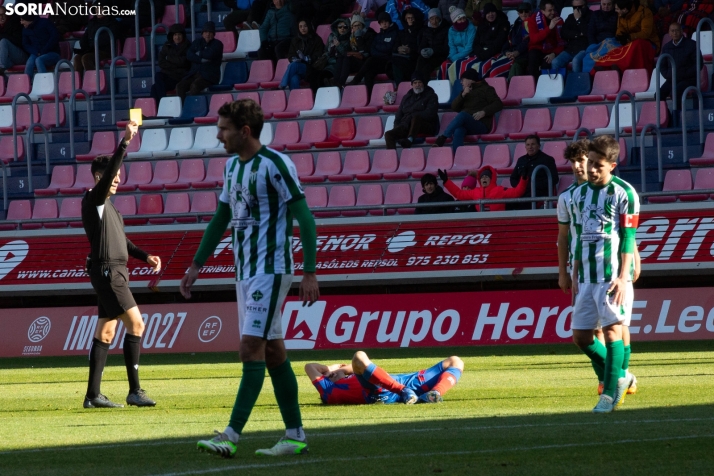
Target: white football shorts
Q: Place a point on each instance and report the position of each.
(260, 301)
(594, 307)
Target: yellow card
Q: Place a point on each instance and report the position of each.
(135, 115)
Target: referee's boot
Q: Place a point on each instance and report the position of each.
(100, 401)
(139, 399)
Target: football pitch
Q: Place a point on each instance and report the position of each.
(517, 410)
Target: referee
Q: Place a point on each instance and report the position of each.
(110, 278)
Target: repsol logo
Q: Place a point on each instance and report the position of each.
(458, 240)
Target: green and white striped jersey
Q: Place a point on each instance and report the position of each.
(566, 216)
(258, 192)
(606, 223)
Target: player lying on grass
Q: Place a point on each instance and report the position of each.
(363, 382)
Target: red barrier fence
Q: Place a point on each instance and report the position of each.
(364, 321)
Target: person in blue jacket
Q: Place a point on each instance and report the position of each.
(395, 9)
(461, 41)
(380, 57)
(40, 39)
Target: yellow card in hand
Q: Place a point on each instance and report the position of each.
(135, 115)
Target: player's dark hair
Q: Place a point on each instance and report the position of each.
(99, 164)
(534, 137)
(543, 3)
(244, 112)
(624, 4)
(576, 149)
(606, 147)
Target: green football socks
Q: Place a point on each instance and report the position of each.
(613, 366)
(626, 360)
(597, 353)
(248, 391)
(285, 386)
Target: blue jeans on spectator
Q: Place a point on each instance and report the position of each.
(589, 63)
(295, 72)
(463, 124)
(41, 62)
(562, 60)
(10, 55)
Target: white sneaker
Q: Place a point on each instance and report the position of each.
(622, 385)
(605, 405)
(285, 447)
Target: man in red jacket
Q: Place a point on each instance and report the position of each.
(488, 190)
(545, 42)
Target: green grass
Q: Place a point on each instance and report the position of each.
(516, 410)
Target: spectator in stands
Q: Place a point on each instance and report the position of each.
(545, 42)
(474, 9)
(363, 7)
(84, 55)
(462, 35)
(516, 48)
(433, 193)
(11, 52)
(205, 55)
(67, 24)
(445, 5)
(276, 32)
(433, 44)
(357, 51)
(635, 22)
(601, 33)
(489, 189)
(524, 170)
(173, 61)
(380, 53)
(476, 106)
(395, 9)
(245, 14)
(304, 51)
(666, 12)
(684, 51)
(337, 47)
(693, 11)
(416, 116)
(406, 48)
(491, 35)
(40, 40)
(575, 34)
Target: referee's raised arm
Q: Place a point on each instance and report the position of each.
(100, 191)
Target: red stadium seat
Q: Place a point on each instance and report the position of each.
(707, 157)
(254, 95)
(398, 194)
(566, 117)
(214, 174)
(89, 83)
(272, 102)
(149, 204)
(376, 101)
(467, 157)
(44, 209)
(342, 129)
(125, 204)
(260, 71)
(202, 202)
(438, 158)
(16, 83)
(18, 210)
(498, 156)
(129, 49)
(280, 68)
(500, 85)
(676, 181)
(536, 120)
(7, 149)
(304, 164)
(352, 97)
(564, 182)
(368, 128)
(217, 100)
(594, 117)
(313, 131)
(520, 87)
(367, 195)
(648, 115)
(634, 81)
(166, 172)
(169, 17)
(140, 173)
(555, 149)
(323, 31)
(70, 208)
(510, 121)
(340, 196)
(604, 83)
(47, 116)
(356, 163)
(316, 197)
(328, 163)
(299, 100)
(384, 161)
(403, 88)
(228, 38)
(64, 86)
(444, 123)
(62, 177)
(703, 181)
(102, 143)
(192, 170)
(286, 132)
(22, 118)
(411, 160)
(175, 203)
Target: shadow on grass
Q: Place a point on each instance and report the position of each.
(667, 440)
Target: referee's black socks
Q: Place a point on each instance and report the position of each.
(132, 349)
(97, 360)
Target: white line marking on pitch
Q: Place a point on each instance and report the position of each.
(423, 455)
(331, 434)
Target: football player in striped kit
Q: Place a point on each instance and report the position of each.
(606, 212)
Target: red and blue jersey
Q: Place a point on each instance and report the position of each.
(346, 391)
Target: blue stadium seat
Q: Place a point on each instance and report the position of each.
(193, 106)
(576, 84)
(236, 72)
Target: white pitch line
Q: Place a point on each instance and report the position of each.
(364, 432)
(426, 455)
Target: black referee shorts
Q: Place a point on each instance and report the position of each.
(111, 284)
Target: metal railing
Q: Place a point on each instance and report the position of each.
(112, 80)
(684, 121)
(136, 23)
(658, 93)
(193, 20)
(72, 106)
(579, 131)
(6, 172)
(57, 93)
(699, 54)
(643, 176)
(634, 116)
(533, 183)
(176, 6)
(14, 133)
(112, 46)
(30, 141)
(153, 50)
